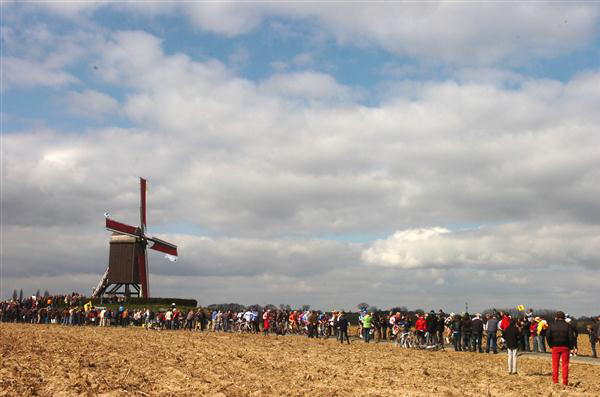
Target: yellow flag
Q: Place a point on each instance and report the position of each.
(87, 306)
(521, 308)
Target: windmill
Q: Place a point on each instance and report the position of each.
(127, 272)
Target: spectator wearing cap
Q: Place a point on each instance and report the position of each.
(560, 339)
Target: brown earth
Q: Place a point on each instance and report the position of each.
(63, 361)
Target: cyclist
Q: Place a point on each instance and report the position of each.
(361, 316)
(292, 321)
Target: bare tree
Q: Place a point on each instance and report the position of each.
(305, 308)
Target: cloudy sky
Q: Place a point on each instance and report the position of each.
(424, 155)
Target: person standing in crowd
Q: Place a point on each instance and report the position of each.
(519, 324)
(465, 330)
(367, 323)
(312, 325)
(526, 332)
(189, 320)
(266, 323)
(376, 325)
(477, 333)
(456, 332)
(421, 327)
(529, 315)
(571, 323)
(168, 318)
(598, 328)
(560, 340)
(125, 318)
(255, 321)
(592, 330)
(431, 327)
(511, 338)
(213, 320)
(330, 323)
(440, 328)
(385, 320)
(102, 317)
(342, 325)
(534, 334)
(503, 323)
(492, 329)
(541, 332)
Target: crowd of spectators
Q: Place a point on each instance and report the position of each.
(462, 331)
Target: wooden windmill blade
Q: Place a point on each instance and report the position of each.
(162, 246)
(122, 228)
(143, 204)
(142, 254)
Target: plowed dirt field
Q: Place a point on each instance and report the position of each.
(40, 360)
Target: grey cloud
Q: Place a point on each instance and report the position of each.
(251, 257)
(448, 153)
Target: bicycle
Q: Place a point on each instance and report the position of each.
(407, 340)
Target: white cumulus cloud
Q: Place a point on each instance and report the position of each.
(508, 245)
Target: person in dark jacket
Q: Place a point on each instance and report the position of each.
(526, 332)
(477, 333)
(511, 338)
(431, 328)
(573, 326)
(384, 325)
(592, 330)
(342, 325)
(440, 328)
(560, 338)
(456, 332)
(465, 330)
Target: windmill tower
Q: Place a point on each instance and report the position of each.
(127, 272)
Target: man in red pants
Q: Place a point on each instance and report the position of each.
(561, 339)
